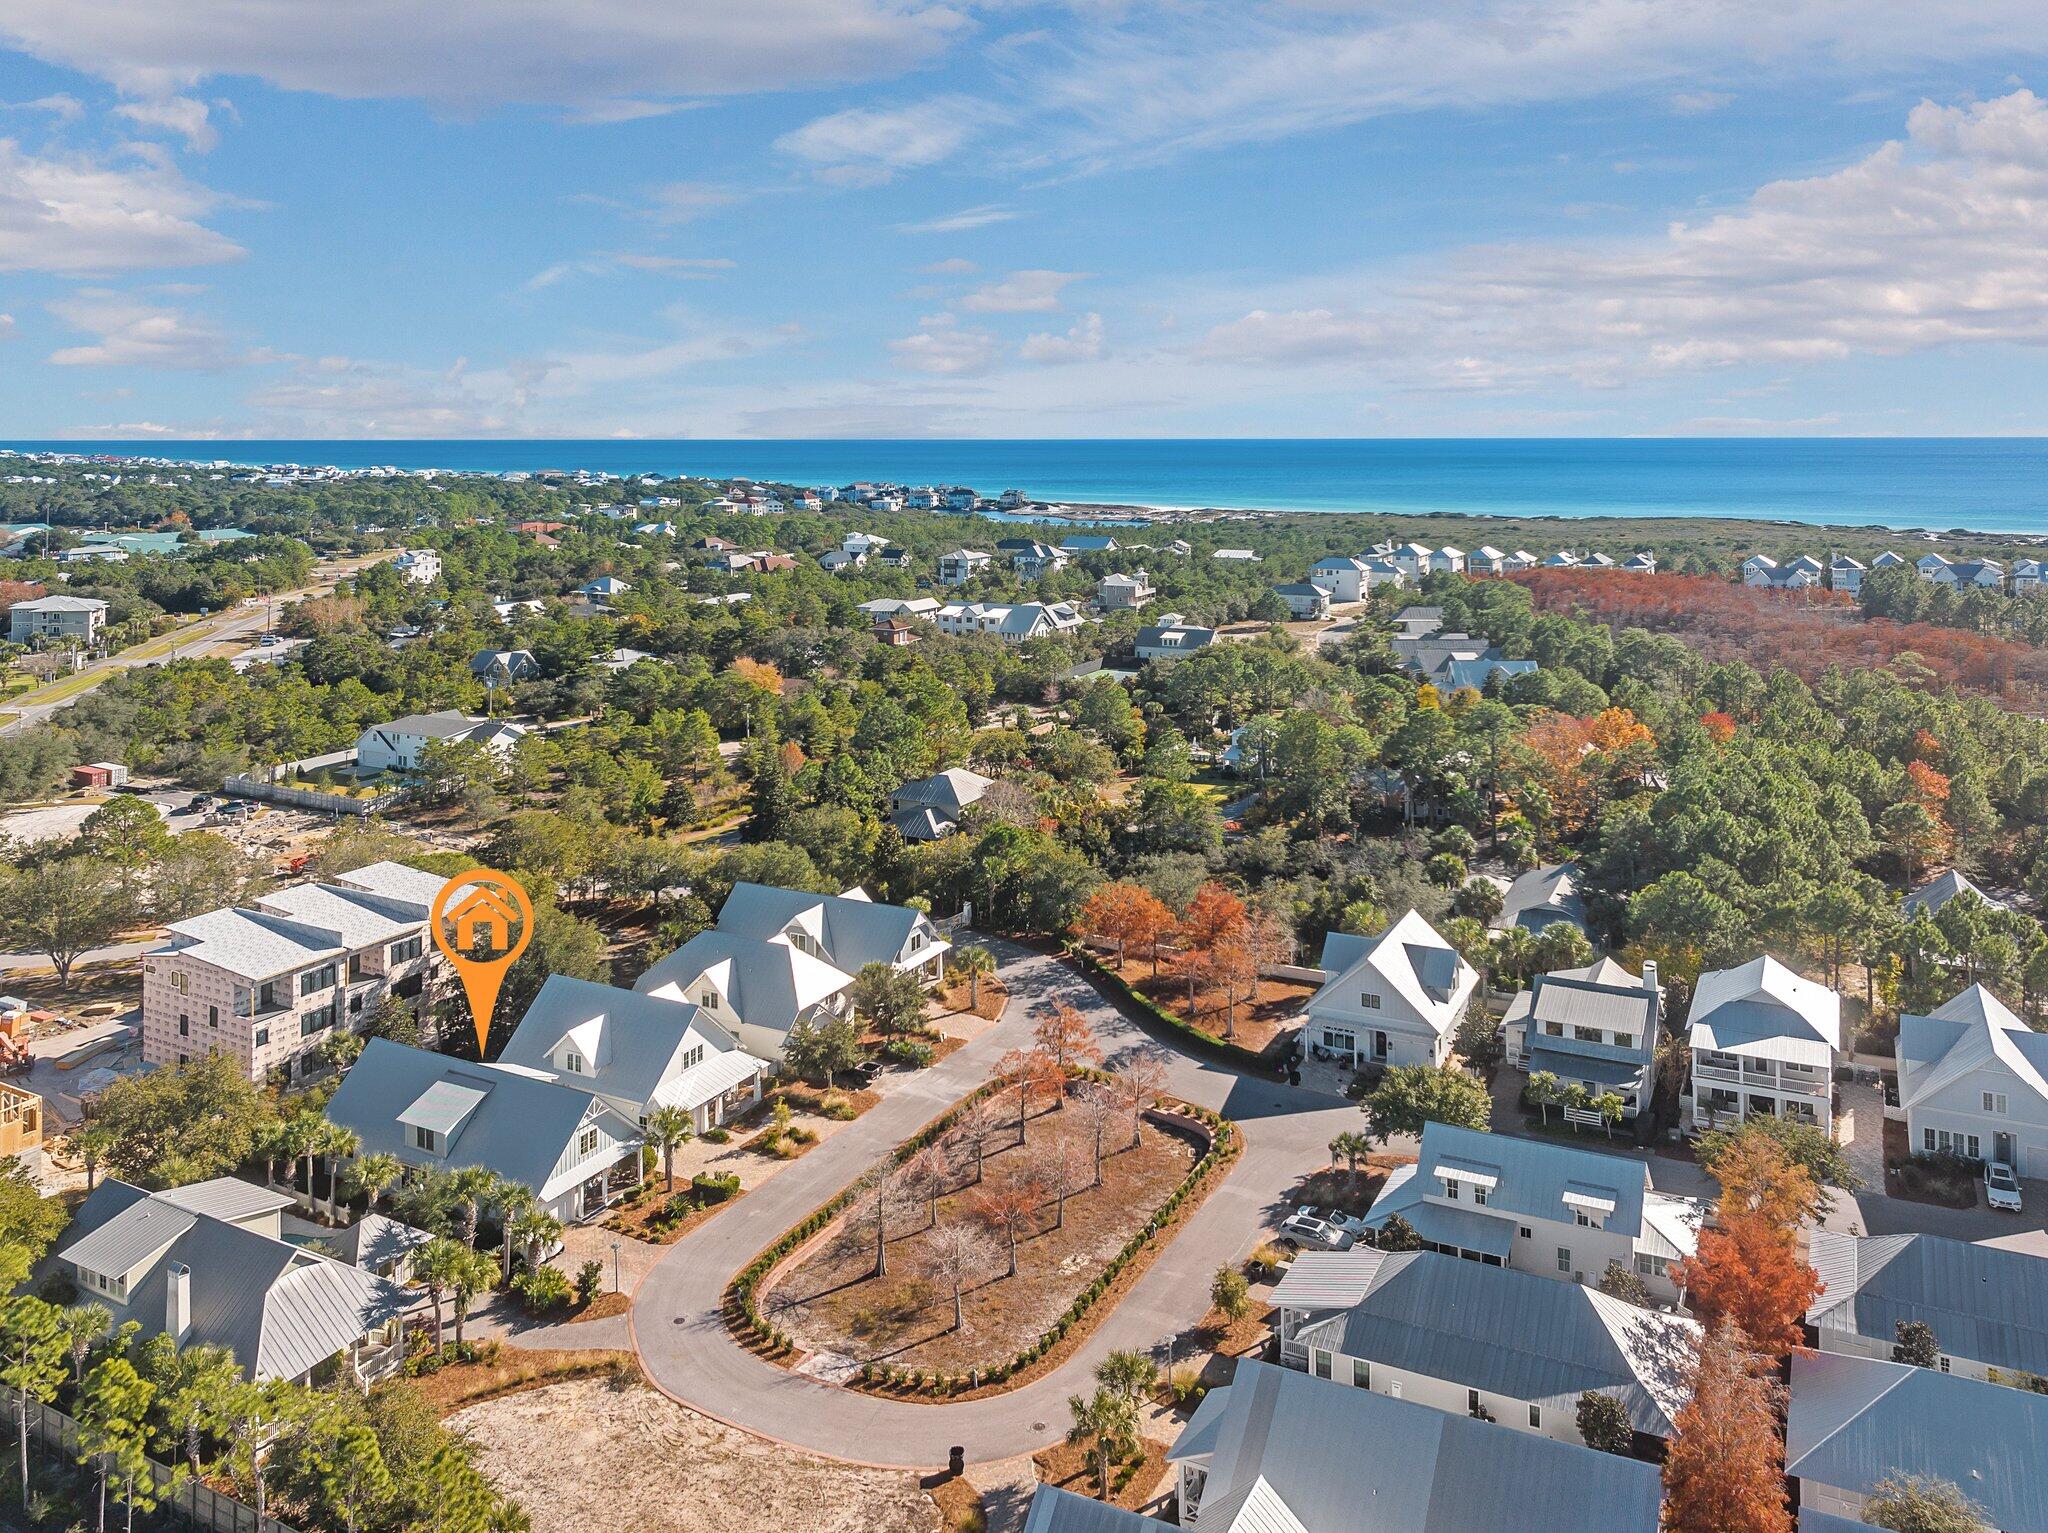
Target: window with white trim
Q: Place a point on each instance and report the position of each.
(1994, 1102)
(586, 1142)
(425, 1139)
(1369, 1001)
(1564, 1258)
(1361, 1373)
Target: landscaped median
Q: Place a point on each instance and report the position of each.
(990, 1245)
(1120, 990)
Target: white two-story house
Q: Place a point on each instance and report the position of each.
(1763, 1041)
(1537, 1206)
(1973, 1081)
(778, 957)
(1394, 999)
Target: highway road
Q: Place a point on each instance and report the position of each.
(190, 641)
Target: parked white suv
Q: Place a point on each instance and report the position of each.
(1307, 1230)
(2001, 1186)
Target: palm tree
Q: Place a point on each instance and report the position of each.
(1107, 1422)
(534, 1230)
(93, 1142)
(434, 1267)
(293, 1142)
(973, 962)
(469, 1189)
(1351, 1147)
(371, 1176)
(667, 1128)
(513, 1202)
(473, 1274)
(84, 1327)
(335, 1144)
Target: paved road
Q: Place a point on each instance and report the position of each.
(685, 1347)
(194, 639)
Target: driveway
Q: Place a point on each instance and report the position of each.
(687, 1352)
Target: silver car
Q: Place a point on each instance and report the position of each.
(1306, 1230)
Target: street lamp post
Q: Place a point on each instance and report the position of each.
(616, 1287)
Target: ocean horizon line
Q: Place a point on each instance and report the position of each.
(1986, 484)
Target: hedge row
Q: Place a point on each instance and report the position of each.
(1108, 979)
(744, 1316)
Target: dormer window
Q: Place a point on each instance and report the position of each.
(572, 1062)
(425, 1139)
(1590, 1221)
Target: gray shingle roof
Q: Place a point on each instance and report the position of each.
(1541, 896)
(1515, 1334)
(1855, 1421)
(1937, 892)
(1344, 1460)
(1983, 1303)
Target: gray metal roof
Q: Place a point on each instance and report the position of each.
(1534, 1174)
(1516, 1334)
(521, 1128)
(856, 931)
(281, 1309)
(226, 1197)
(1059, 1511)
(1855, 1421)
(951, 791)
(1346, 1460)
(1937, 892)
(768, 983)
(375, 1241)
(1541, 896)
(632, 1043)
(1328, 1279)
(1983, 1303)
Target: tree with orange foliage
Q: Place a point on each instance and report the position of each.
(1030, 1073)
(1237, 958)
(1720, 727)
(1213, 915)
(1759, 1177)
(1725, 1469)
(1128, 915)
(757, 673)
(1009, 1208)
(1064, 1036)
(1749, 1273)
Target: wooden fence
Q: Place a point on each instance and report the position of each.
(179, 1497)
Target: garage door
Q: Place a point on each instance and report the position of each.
(2037, 1162)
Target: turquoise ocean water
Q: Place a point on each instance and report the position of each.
(1980, 484)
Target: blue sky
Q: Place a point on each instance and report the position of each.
(1107, 218)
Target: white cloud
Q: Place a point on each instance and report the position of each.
(62, 106)
(1930, 241)
(945, 348)
(611, 263)
(678, 202)
(1022, 292)
(865, 146)
(1129, 82)
(183, 115)
(131, 333)
(960, 222)
(1697, 103)
(581, 54)
(6, 326)
(78, 214)
(1081, 343)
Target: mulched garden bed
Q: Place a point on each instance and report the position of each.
(1069, 1466)
(828, 1303)
(507, 1370)
(1276, 1008)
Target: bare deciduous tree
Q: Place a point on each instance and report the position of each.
(1097, 1111)
(953, 1256)
(1057, 1167)
(1009, 1207)
(1140, 1080)
(927, 1175)
(881, 1199)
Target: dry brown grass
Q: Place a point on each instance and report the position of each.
(515, 1369)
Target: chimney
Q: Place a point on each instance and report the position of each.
(1652, 984)
(177, 1301)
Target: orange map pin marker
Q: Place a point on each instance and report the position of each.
(482, 920)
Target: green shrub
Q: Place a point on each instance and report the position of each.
(541, 1289)
(589, 1281)
(907, 1051)
(716, 1135)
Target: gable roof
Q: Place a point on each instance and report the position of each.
(1967, 1033)
(1855, 1421)
(951, 790)
(497, 1116)
(1423, 969)
(1344, 1460)
(1516, 1334)
(1937, 892)
(1983, 1302)
(1762, 1008)
(769, 984)
(1543, 895)
(632, 1043)
(279, 1308)
(1061, 1511)
(856, 931)
(1530, 1176)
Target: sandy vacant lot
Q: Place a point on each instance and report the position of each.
(584, 1455)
